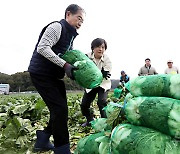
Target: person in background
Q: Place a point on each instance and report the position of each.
(171, 69)
(98, 47)
(47, 70)
(124, 78)
(147, 69)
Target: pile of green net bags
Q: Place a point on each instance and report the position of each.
(152, 125)
(87, 74)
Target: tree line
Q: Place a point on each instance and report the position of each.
(21, 81)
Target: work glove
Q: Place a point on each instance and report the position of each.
(68, 68)
(106, 74)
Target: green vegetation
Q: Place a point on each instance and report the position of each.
(20, 82)
(136, 125)
(22, 114)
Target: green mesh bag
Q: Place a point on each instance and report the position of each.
(110, 109)
(100, 125)
(87, 75)
(160, 113)
(131, 139)
(155, 85)
(88, 145)
(117, 92)
(105, 146)
(73, 56)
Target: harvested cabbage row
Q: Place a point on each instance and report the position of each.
(130, 139)
(87, 75)
(164, 85)
(160, 113)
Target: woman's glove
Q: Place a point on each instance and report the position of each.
(106, 74)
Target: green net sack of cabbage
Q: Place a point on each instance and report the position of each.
(131, 139)
(88, 145)
(155, 85)
(117, 92)
(115, 114)
(160, 113)
(87, 75)
(100, 125)
(104, 146)
(113, 109)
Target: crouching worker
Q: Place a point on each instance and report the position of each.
(98, 47)
(47, 70)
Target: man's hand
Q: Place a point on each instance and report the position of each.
(106, 74)
(68, 68)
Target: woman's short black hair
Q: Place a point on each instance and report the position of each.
(98, 42)
(73, 8)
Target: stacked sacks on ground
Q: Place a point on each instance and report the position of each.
(101, 138)
(160, 114)
(156, 103)
(128, 138)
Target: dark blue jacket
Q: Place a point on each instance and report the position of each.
(41, 65)
(125, 79)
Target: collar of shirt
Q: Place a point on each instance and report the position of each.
(69, 27)
(94, 59)
(148, 67)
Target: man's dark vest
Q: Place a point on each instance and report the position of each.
(41, 65)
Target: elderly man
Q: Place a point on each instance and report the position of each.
(171, 69)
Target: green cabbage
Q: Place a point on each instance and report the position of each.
(88, 145)
(130, 139)
(164, 85)
(87, 75)
(160, 113)
(117, 92)
(112, 109)
(100, 124)
(104, 147)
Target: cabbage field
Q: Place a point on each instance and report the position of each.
(22, 114)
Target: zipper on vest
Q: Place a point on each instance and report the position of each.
(70, 44)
